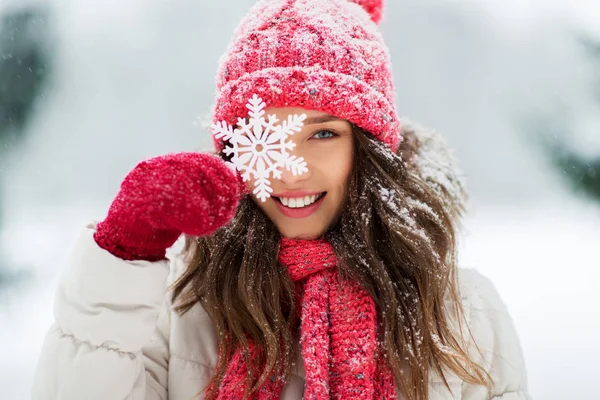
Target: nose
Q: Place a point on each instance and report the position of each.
(289, 179)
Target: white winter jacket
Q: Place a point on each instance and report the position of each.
(116, 338)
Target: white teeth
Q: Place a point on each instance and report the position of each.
(299, 202)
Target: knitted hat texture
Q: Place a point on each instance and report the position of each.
(325, 55)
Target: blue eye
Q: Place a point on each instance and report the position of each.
(331, 135)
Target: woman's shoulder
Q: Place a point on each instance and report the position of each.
(494, 333)
(477, 289)
(192, 336)
(483, 303)
(487, 314)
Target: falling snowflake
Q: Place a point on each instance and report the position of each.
(259, 147)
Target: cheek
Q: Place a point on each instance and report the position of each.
(338, 169)
(344, 180)
(344, 167)
(347, 168)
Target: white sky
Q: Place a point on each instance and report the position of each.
(527, 14)
(522, 15)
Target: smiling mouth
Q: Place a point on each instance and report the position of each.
(299, 202)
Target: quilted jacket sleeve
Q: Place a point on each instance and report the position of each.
(111, 331)
(495, 334)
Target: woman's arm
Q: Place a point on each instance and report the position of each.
(110, 338)
(105, 343)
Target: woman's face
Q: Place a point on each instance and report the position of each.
(326, 144)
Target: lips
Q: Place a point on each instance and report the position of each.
(286, 200)
(295, 193)
(300, 212)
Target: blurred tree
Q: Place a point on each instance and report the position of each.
(24, 64)
(24, 67)
(581, 172)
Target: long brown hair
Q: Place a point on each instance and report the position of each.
(396, 236)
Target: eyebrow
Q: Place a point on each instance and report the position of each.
(321, 120)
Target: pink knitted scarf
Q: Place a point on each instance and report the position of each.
(342, 355)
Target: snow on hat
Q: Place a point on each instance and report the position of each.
(325, 55)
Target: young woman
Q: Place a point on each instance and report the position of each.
(337, 279)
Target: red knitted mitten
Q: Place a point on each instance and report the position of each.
(165, 196)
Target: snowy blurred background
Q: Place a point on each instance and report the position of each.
(89, 88)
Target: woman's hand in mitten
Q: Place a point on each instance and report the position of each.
(165, 196)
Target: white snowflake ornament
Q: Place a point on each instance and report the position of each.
(259, 147)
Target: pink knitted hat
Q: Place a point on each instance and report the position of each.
(325, 55)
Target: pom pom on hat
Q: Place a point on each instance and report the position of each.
(373, 7)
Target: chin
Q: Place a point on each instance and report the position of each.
(307, 236)
(301, 235)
